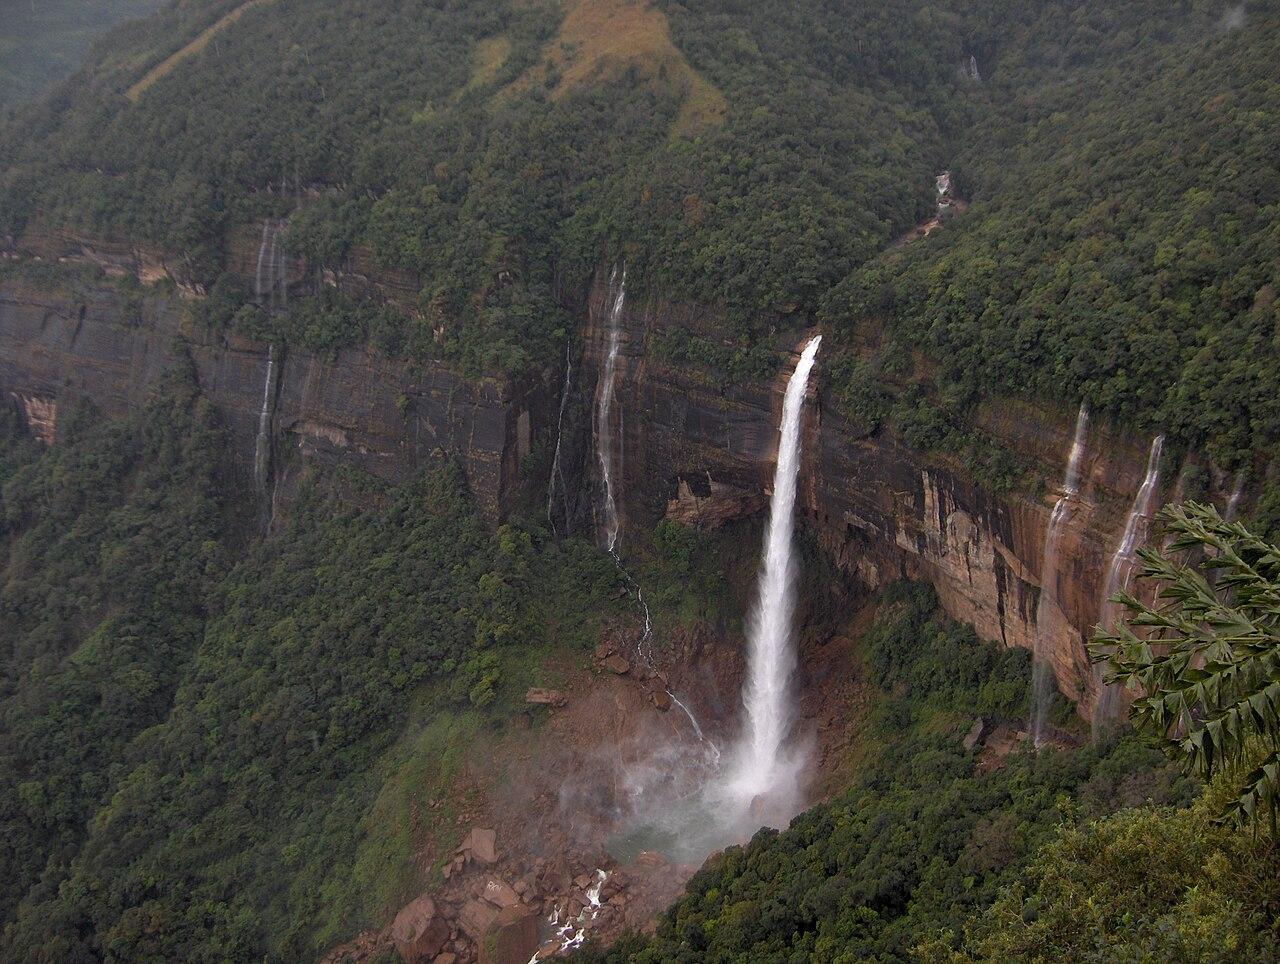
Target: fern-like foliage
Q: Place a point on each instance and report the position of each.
(1205, 658)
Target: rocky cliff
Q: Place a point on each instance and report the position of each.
(879, 508)
(110, 347)
(690, 450)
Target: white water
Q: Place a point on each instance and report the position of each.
(760, 766)
(556, 471)
(604, 412)
(1136, 529)
(1048, 612)
(573, 931)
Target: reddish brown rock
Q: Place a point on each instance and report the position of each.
(617, 664)
(418, 933)
(476, 918)
(481, 845)
(512, 939)
(499, 894)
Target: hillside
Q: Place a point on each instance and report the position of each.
(395, 399)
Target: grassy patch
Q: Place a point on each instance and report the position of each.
(194, 47)
(602, 38)
(410, 826)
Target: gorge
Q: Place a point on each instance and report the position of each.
(879, 509)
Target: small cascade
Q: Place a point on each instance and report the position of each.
(557, 473)
(605, 440)
(973, 73)
(1048, 611)
(761, 768)
(270, 280)
(1123, 563)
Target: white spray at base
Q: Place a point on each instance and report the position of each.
(1136, 528)
(761, 764)
(1048, 612)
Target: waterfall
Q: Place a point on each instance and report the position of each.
(270, 280)
(270, 289)
(556, 471)
(1048, 611)
(604, 412)
(1237, 496)
(262, 448)
(760, 767)
(1123, 563)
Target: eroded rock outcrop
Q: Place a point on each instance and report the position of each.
(879, 508)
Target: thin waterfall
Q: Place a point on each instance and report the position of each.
(760, 767)
(270, 288)
(1136, 529)
(1048, 611)
(270, 280)
(606, 452)
(556, 471)
(1237, 496)
(262, 448)
(604, 412)
(260, 276)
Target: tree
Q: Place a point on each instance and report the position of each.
(1207, 662)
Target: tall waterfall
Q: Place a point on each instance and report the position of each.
(605, 434)
(1123, 563)
(760, 766)
(1048, 611)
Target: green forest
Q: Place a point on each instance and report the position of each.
(197, 722)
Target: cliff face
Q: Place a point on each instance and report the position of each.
(880, 509)
(690, 451)
(357, 406)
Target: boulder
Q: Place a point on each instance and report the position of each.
(537, 696)
(476, 918)
(661, 699)
(480, 845)
(418, 933)
(976, 733)
(617, 664)
(512, 939)
(448, 957)
(499, 894)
